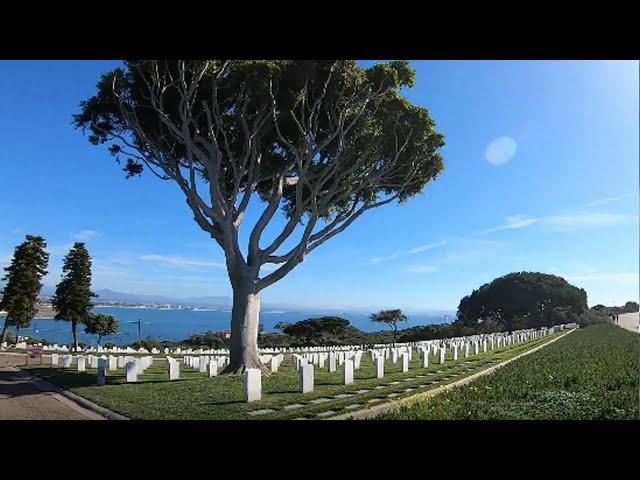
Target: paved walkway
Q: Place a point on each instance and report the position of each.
(21, 399)
(630, 321)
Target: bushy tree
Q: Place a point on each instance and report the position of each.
(23, 283)
(101, 325)
(391, 318)
(321, 141)
(315, 330)
(72, 299)
(522, 299)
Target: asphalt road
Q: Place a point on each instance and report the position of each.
(21, 399)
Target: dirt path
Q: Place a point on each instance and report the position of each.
(630, 321)
(21, 399)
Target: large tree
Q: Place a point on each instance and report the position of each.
(72, 299)
(101, 325)
(531, 298)
(313, 330)
(321, 141)
(391, 318)
(23, 283)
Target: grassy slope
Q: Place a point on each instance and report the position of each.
(591, 374)
(197, 397)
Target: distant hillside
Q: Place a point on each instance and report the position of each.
(106, 295)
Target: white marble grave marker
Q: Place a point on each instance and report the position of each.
(174, 370)
(102, 371)
(425, 358)
(405, 362)
(82, 363)
(132, 371)
(347, 372)
(305, 374)
(212, 368)
(380, 367)
(252, 384)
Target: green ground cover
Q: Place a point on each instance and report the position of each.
(590, 374)
(195, 396)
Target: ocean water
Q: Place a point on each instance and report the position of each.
(179, 324)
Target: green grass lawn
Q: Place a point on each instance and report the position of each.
(195, 396)
(590, 374)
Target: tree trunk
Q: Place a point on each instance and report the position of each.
(75, 336)
(395, 328)
(244, 330)
(4, 331)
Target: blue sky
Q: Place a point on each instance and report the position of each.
(541, 173)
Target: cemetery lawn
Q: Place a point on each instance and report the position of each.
(591, 374)
(197, 397)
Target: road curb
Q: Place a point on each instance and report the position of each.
(373, 412)
(78, 403)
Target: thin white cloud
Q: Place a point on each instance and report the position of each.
(180, 261)
(393, 256)
(85, 235)
(514, 222)
(605, 201)
(501, 150)
(428, 246)
(401, 253)
(587, 220)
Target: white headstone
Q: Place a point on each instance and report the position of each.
(54, 359)
(121, 362)
(332, 362)
(442, 354)
(347, 372)
(204, 364)
(82, 363)
(113, 363)
(380, 367)
(174, 370)
(212, 367)
(132, 371)
(102, 371)
(66, 361)
(306, 374)
(274, 364)
(425, 358)
(405, 362)
(252, 384)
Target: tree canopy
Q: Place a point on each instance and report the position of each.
(315, 330)
(101, 325)
(320, 141)
(23, 283)
(72, 299)
(523, 300)
(391, 318)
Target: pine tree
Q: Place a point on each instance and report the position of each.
(72, 299)
(23, 283)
